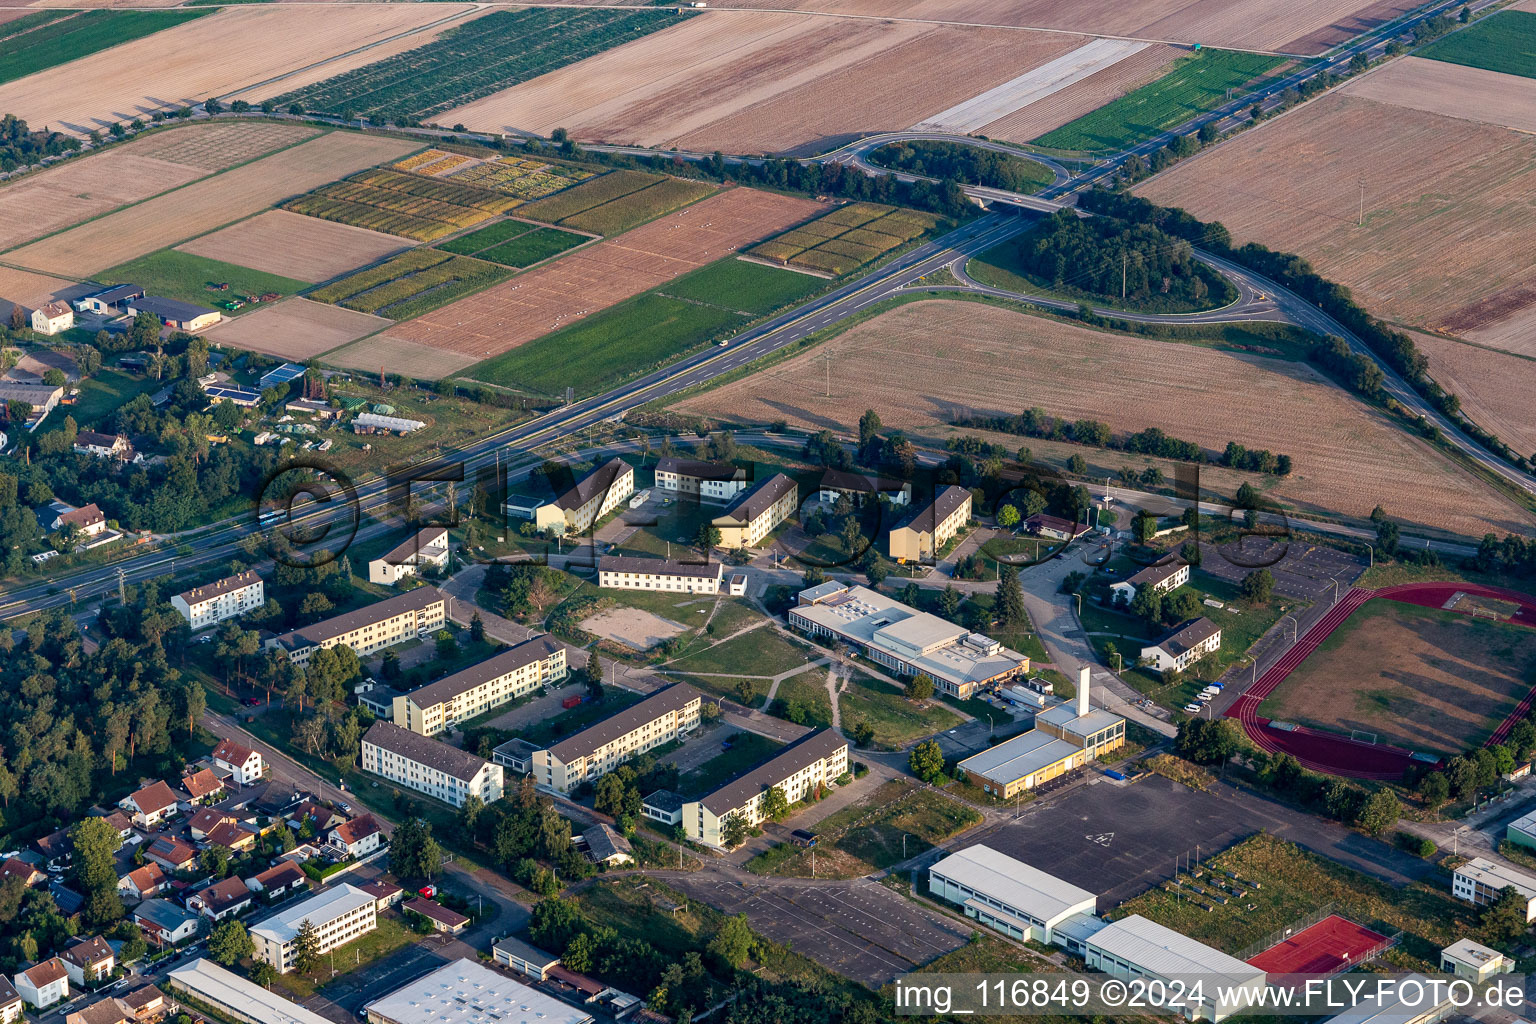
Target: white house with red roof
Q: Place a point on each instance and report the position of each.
(357, 838)
(151, 805)
(43, 984)
(244, 764)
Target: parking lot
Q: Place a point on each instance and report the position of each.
(860, 929)
(1119, 839)
(1302, 571)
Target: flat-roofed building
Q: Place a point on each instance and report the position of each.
(429, 766)
(1474, 961)
(592, 497)
(905, 640)
(412, 615)
(754, 513)
(235, 997)
(338, 915)
(516, 754)
(1184, 645)
(519, 670)
(213, 603)
(466, 992)
(1401, 1005)
(175, 314)
(809, 762)
(1064, 738)
(1008, 895)
(1481, 880)
(924, 531)
(711, 481)
(860, 488)
(424, 547)
(1522, 831)
(618, 572)
(1135, 947)
(598, 749)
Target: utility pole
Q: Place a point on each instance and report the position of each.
(1124, 260)
(1361, 221)
(829, 373)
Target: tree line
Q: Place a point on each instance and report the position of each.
(959, 162)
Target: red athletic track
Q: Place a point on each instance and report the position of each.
(1325, 947)
(1336, 754)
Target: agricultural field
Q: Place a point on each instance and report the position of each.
(1082, 97)
(1418, 678)
(408, 205)
(1192, 85)
(65, 38)
(602, 350)
(846, 238)
(1348, 456)
(617, 201)
(514, 243)
(296, 329)
(412, 283)
(32, 290)
(521, 177)
(1455, 90)
(431, 162)
(1449, 236)
(1503, 42)
(1495, 388)
(488, 53)
(195, 59)
(593, 193)
(597, 276)
(408, 358)
(181, 275)
(310, 250)
(45, 201)
(203, 206)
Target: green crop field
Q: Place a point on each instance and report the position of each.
(625, 340)
(408, 205)
(494, 234)
(56, 40)
(413, 283)
(588, 195)
(846, 238)
(1504, 42)
(180, 275)
(626, 212)
(1196, 84)
(534, 247)
(474, 60)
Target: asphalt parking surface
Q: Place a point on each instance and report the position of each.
(860, 929)
(1301, 571)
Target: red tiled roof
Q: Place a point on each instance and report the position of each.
(357, 829)
(47, 972)
(15, 867)
(154, 797)
(228, 834)
(224, 894)
(231, 752)
(281, 876)
(201, 784)
(150, 876)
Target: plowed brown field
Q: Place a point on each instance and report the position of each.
(1455, 90)
(1495, 389)
(1079, 98)
(205, 205)
(295, 328)
(293, 245)
(395, 355)
(925, 363)
(211, 56)
(1450, 205)
(598, 276)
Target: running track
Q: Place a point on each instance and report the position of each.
(1334, 753)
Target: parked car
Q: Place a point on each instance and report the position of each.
(1193, 709)
(253, 702)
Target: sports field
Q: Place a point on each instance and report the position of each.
(1323, 948)
(65, 38)
(181, 275)
(1194, 84)
(1418, 678)
(1504, 42)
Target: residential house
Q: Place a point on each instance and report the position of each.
(225, 898)
(514, 672)
(10, 1002)
(424, 547)
(244, 764)
(413, 615)
(1055, 527)
(146, 1003)
(69, 902)
(121, 822)
(449, 922)
(429, 766)
(384, 893)
(144, 882)
(224, 599)
(588, 500)
(57, 848)
(666, 715)
(1186, 644)
(88, 520)
(711, 481)
(321, 817)
(605, 845)
(1162, 578)
(283, 877)
(103, 1011)
(103, 446)
(204, 821)
(356, 838)
(202, 787)
(42, 398)
(754, 514)
(44, 984)
(172, 854)
(921, 534)
(54, 317)
(150, 805)
(232, 836)
(164, 923)
(88, 961)
(15, 867)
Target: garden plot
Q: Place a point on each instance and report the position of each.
(285, 243)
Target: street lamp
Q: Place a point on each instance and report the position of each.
(1293, 625)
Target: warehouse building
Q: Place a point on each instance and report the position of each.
(755, 514)
(905, 640)
(809, 762)
(409, 616)
(231, 596)
(338, 915)
(592, 497)
(1522, 831)
(618, 572)
(424, 547)
(1480, 881)
(175, 314)
(465, 992)
(429, 766)
(41, 398)
(515, 672)
(1436, 1004)
(924, 531)
(1135, 947)
(235, 997)
(711, 481)
(598, 749)
(1008, 895)
(1064, 738)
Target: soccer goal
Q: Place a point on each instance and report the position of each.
(1361, 736)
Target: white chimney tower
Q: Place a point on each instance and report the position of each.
(1082, 691)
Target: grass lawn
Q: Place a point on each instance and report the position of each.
(747, 749)
(765, 650)
(180, 275)
(389, 936)
(897, 721)
(750, 289)
(1196, 83)
(676, 524)
(1294, 883)
(868, 836)
(1504, 42)
(727, 686)
(101, 395)
(575, 719)
(733, 614)
(803, 699)
(67, 39)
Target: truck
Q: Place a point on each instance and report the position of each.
(1023, 698)
(571, 702)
